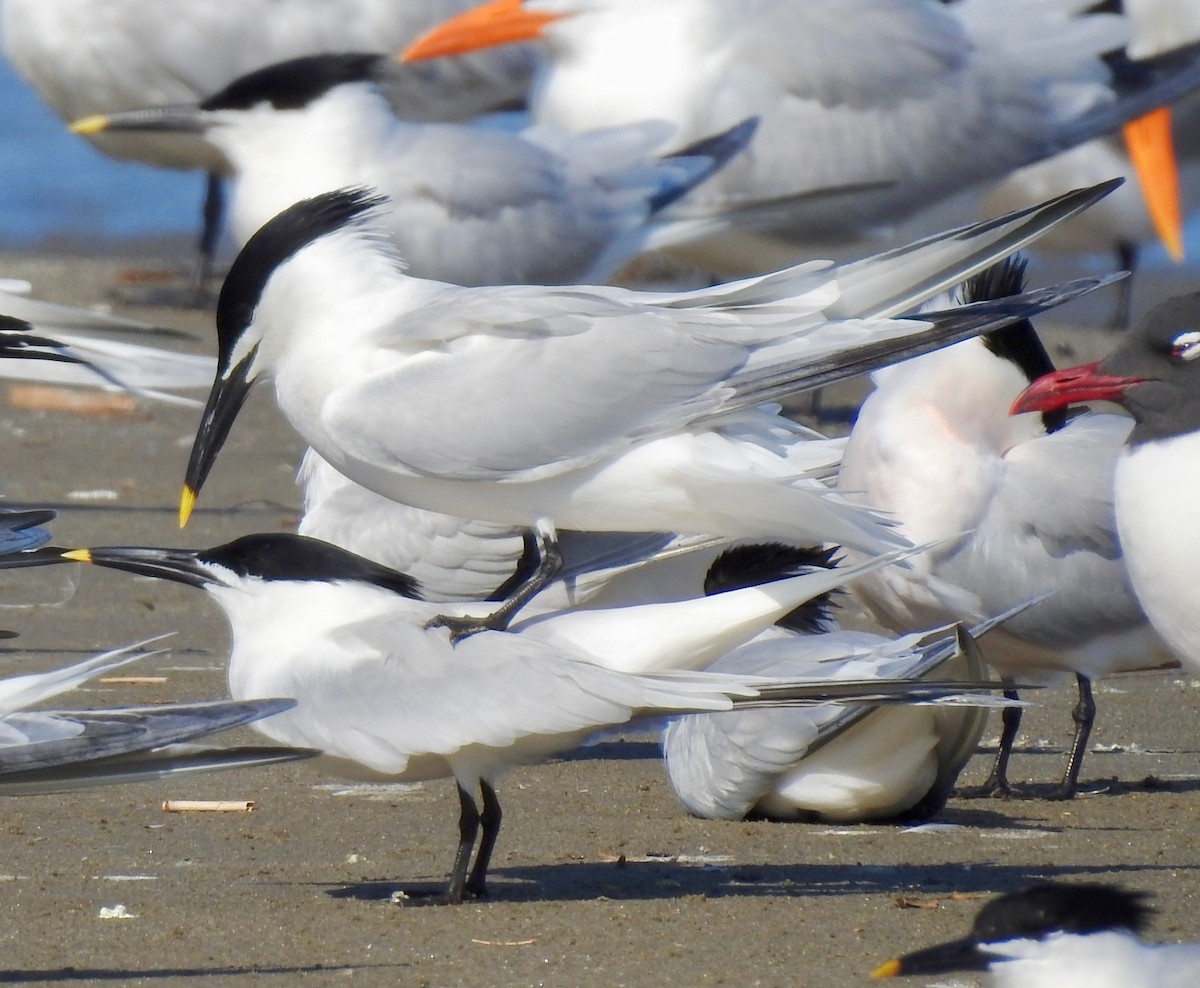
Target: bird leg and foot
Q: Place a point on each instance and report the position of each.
(212, 220)
(550, 563)
(996, 784)
(1084, 716)
(471, 822)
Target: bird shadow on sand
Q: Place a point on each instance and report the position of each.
(645, 880)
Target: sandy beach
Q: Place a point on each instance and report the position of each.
(600, 877)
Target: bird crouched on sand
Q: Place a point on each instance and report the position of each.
(597, 409)
(825, 762)
(386, 696)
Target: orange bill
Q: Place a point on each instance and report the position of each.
(499, 22)
(1152, 151)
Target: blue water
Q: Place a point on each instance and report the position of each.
(55, 187)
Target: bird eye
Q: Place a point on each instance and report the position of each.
(1186, 346)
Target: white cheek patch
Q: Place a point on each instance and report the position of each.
(1186, 346)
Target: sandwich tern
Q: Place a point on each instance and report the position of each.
(386, 696)
(467, 204)
(597, 409)
(1060, 935)
(826, 762)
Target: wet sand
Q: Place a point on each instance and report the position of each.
(600, 878)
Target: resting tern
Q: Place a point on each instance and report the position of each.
(598, 409)
(470, 205)
(1152, 374)
(53, 750)
(97, 56)
(1022, 510)
(826, 762)
(385, 695)
(846, 90)
(1060, 935)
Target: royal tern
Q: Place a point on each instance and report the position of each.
(1151, 205)
(597, 409)
(1022, 511)
(53, 750)
(1153, 374)
(385, 695)
(469, 205)
(858, 91)
(824, 762)
(97, 56)
(1060, 935)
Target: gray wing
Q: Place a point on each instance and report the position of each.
(52, 750)
(533, 381)
(1053, 515)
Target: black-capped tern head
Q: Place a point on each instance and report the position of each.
(1069, 934)
(238, 337)
(288, 85)
(267, 557)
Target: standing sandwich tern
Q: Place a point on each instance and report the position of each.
(54, 750)
(919, 99)
(826, 762)
(385, 695)
(98, 56)
(598, 409)
(469, 205)
(1022, 511)
(1153, 375)
(1060, 935)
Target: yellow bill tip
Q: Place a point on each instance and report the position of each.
(187, 501)
(89, 125)
(1151, 148)
(890, 969)
(78, 555)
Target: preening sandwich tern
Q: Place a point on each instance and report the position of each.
(53, 750)
(860, 91)
(598, 409)
(1153, 375)
(386, 696)
(1060, 935)
(467, 204)
(1023, 509)
(825, 762)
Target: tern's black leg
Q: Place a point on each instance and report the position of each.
(212, 222)
(468, 828)
(1084, 716)
(1127, 259)
(549, 565)
(490, 819)
(996, 784)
